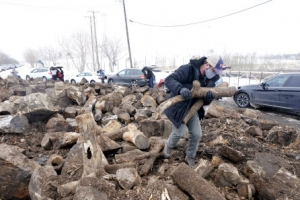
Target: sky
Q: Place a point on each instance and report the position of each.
(156, 27)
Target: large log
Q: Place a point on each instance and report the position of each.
(116, 135)
(112, 169)
(108, 146)
(136, 137)
(197, 92)
(156, 146)
(197, 105)
(194, 184)
(92, 153)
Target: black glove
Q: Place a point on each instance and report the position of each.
(201, 113)
(208, 98)
(185, 93)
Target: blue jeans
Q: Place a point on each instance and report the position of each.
(195, 132)
(151, 82)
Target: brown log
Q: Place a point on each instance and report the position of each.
(88, 106)
(197, 105)
(117, 134)
(197, 92)
(98, 115)
(92, 154)
(194, 184)
(130, 157)
(108, 146)
(136, 137)
(157, 146)
(112, 169)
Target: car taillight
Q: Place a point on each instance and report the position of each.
(49, 73)
(99, 77)
(142, 76)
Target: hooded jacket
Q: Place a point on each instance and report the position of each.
(184, 77)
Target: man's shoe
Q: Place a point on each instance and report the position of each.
(167, 151)
(190, 161)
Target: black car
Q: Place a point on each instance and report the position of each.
(129, 77)
(280, 91)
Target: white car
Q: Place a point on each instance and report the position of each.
(91, 77)
(43, 73)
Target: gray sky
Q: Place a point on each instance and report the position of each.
(270, 28)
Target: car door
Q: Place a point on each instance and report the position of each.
(120, 76)
(35, 73)
(268, 93)
(88, 76)
(290, 94)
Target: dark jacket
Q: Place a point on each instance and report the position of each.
(148, 72)
(184, 77)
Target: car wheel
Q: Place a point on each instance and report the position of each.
(134, 84)
(110, 82)
(27, 78)
(92, 82)
(242, 100)
(44, 79)
(73, 81)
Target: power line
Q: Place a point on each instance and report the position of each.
(188, 24)
(46, 7)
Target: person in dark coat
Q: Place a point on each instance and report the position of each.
(149, 75)
(205, 70)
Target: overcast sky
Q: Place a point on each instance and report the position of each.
(270, 28)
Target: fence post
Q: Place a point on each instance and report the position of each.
(261, 73)
(239, 79)
(249, 77)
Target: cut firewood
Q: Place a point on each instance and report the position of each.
(116, 135)
(157, 146)
(108, 146)
(194, 184)
(136, 137)
(112, 169)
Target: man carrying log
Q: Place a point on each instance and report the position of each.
(206, 71)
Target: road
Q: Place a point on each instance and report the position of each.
(265, 113)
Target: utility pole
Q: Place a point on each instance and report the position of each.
(96, 43)
(92, 40)
(128, 43)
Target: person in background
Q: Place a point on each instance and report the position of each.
(149, 75)
(60, 74)
(15, 72)
(102, 74)
(54, 73)
(180, 82)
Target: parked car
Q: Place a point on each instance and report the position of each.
(91, 77)
(279, 91)
(162, 85)
(129, 77)
(43, 73)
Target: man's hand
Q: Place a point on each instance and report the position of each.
(208, 98)
(185, 93)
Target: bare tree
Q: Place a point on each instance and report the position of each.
(5, 59)
(31, 56)
(76, 49)
(112, 49)
(49, 55)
